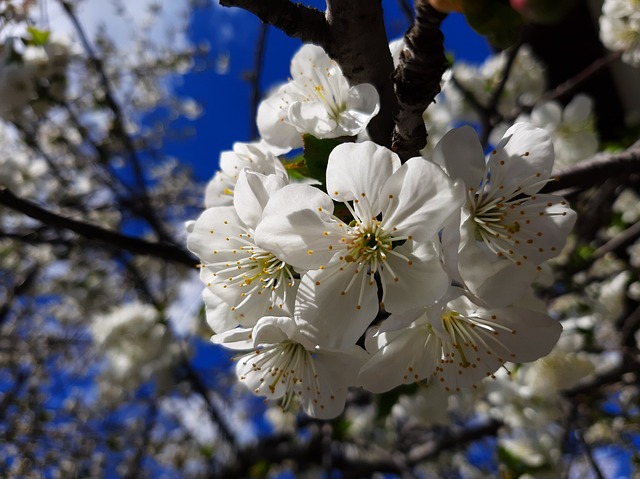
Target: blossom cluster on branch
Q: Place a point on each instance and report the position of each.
(368, 271)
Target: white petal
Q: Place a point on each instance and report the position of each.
(418, 277)
(524, 162)
(252, 193)
(547, 115)
(334, 319)
(210, 233)
(409, 355)
(499, 336)
(498, 281)
(238, 339)
(418, 199)
(219, 191)
(461, 154)
(272, 121)
(273, 330)
(543, 225)
(219, 316)
(579, 110)
(294, 224)
(336, 371)
(357, 172)
(259, 379)
(313, 118)
(363, 103)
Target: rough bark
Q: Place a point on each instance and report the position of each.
(417, 79)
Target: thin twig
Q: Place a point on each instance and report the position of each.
(215, 415)
(494, 117)
(255, 78)
(589, 453)
(118, 124)
(574, 82)
(407, 10)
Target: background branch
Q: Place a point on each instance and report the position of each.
(591, 172)
(112, 239)
(296, 20)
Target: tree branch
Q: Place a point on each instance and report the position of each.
(629, 364)
(358, 42)
(579, 79)
(118, 125)
(417, 79)
(254, 79)
(112, 239)
(352, 33)
(296, 20)
(591, 172)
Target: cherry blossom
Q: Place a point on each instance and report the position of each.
(250, 279)
(506, 229)
(394, 215)
(456, 343)
(620, 29)
(253, 156)
(318, 100)
(287, 365)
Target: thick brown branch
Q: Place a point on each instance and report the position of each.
(417, 79)
(358, 42)
(111, 239)
(294, 19)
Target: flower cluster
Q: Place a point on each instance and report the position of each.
(381, 273)
(35, 74)
(138, 347)
(620, 28)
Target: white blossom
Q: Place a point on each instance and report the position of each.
(572, 129)
(396, 213)
(456, 343)
(620, 28)
(525, 84)
(138, 345)
(318, 100)
(256, 157)
(288, 365)
(506, 228)
(250, 279)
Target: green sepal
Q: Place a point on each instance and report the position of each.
(296, 167)
(39, 38)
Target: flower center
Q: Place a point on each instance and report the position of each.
(252, 274)
(369, 245)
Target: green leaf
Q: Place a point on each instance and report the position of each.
(517, 465)
(494, 19)
(316, 155)
(259, 470)
(39, 38)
